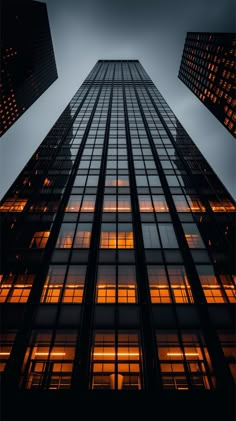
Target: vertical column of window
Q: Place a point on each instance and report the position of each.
(13, 367)
(100, 130)
(220, 367)
(150, 377)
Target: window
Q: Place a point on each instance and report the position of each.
(225, 205)
(168, 237)
(53, 284)
(113, 181)
(150, 236)
(39, 239)
(181, 204)
(213, 290)
(49, 361)
(74, 286)
(193, 236)
(15, 288)
(73, 204)
(83, 236)
(184, 361)
(13, 205)
(160, 204)
(6, 344)
(228, 343)
(116, 284)
(158, 284)
(145, 204)
(65, 237)
(88, 204)
(116, 361)
(112, 239)
(169, 285)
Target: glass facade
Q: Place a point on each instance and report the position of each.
(28, 65)
(118, 259)
(208, 69)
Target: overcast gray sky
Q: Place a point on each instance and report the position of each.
(152, 31)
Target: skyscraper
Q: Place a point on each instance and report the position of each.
(28, 65)
(208, 69)
(117, 265)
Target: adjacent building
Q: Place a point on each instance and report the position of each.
(117, 271)
(28, 65)
(208, 69)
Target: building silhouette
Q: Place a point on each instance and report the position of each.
(117, 267)
(28, 65)
(208, 69)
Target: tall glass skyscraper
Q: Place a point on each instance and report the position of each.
(117, 265)
(28, 65)
(207, 68)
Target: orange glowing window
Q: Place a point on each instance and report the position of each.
(112, 239)
(13, 205)
(74, 287)
(46, 182)
(193, 236)
(225, 205)
(213, 290)
(185, 362)
(116, 361)
(48, 362)
(228, 344)
(15, 288)
(116, 284)
(39, 239)
(121, 181)
(6, 344)
(53, 284)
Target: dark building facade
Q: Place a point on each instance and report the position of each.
(208, 69)
(117, 268)
(28, 65)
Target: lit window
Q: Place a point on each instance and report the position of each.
(83, 236)
(121, 239)
(53, 284)
(145, 204)
(160, 204)
(228, 343)
(193, 236)
(39, 239)
(48, 362)
(179, 284)
(214, 292)
(74, 287)
(15, 288)
(222, 206)
(13, 205)
(116, 361)
(6, 344)
(88, 204)
(106, 284)
(121, 181)
(73, 204)
(158, 283)
(65, 237)
(185, 363)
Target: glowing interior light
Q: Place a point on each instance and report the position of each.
(52, 353)
(4, 353)
(113, 354)
(180, 354)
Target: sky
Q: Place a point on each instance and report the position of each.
(152, 31)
